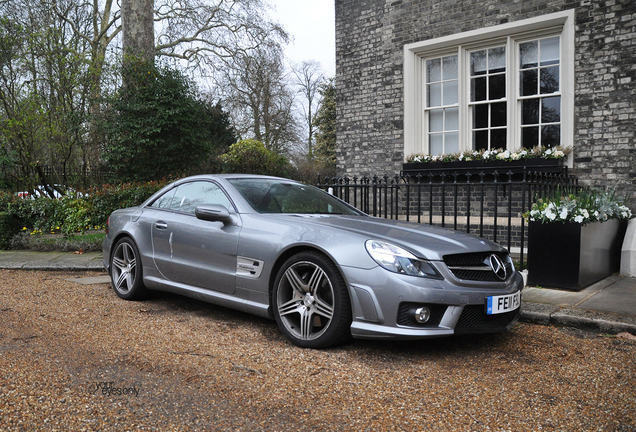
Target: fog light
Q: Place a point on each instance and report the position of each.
(422, 315)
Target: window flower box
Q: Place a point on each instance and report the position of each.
(540, 159)
(476, 167)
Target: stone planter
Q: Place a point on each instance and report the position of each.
(572, 256)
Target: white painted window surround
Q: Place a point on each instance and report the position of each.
(420, 121)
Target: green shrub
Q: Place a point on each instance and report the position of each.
(71, 213)
(252, 157)
(155, 125)
(10, 225)
(74, 214)
(103, 201)
(6, 198)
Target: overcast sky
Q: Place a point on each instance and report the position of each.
(311, 23)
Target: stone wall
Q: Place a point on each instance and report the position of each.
(370, 35)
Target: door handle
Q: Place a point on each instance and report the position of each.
(161, 225)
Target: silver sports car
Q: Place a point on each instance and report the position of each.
(322, 269)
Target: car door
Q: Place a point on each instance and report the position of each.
(191, 251)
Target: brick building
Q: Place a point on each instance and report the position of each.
(424, 76)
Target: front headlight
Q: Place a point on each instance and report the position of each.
(398, 260)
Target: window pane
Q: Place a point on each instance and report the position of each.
(530, 137)
(436, 144)
(550, 80)
(498, 114)
(164, 200)
(528, 82)
(529, 54)
(480, 140)
(497, 87)
(551, 135)
(451, 142)
(191, 195)
(179, 197)
(452, 119)
(530, 111)
(550, 110)
(478, 89)
(434, 95)
(449, 65)
(480, 116)
(478, 62)
(433, 70)
(497, 59)
(549, 51)
(498, 139)
(450, 92)
(436, 120)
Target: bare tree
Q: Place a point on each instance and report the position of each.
(261, 100)
(44, 88)
(205, 33)
(308, 78)
(208, 32)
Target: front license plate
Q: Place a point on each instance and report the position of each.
(502, 304)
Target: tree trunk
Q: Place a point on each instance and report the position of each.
(138, 30)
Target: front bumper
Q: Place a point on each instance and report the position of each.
(380, 300)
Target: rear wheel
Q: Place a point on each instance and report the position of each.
(125, 270)
(311, 303)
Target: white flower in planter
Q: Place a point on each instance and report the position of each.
(550, 213)
(504, 155)
(494, 154)
(578, 205)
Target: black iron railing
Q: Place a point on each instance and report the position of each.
(490, 205)
(19, 178)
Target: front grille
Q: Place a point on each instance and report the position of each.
(405, 316)
(476, 266)
(475, 320)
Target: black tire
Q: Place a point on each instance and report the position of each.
(125, 270)
(310, 301)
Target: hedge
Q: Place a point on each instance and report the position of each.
(10, 225)
(73, 212)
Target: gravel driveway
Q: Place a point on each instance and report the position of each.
(76, 357)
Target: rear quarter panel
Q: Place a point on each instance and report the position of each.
(135, 223)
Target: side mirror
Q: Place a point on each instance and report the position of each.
(213, 213)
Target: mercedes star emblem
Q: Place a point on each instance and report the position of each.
(498, 267)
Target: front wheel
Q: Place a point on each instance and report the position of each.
(125, 270)
(311, 303)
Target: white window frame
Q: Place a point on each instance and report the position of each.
(510, 35)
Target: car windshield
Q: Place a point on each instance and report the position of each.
(276, 196)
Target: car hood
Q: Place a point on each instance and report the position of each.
(425, 241)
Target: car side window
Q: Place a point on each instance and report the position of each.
(189, 196)
(164, 200)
